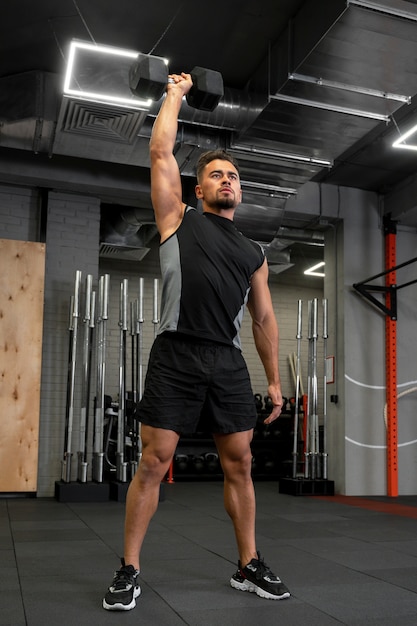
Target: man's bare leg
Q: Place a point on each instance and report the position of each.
(143, 494)
(239, 493)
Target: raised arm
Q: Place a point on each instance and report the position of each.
(266, 336)
(166, 189)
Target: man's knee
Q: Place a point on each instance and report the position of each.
(238, 467)
(153, 467)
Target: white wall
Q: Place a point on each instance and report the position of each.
(358, 461)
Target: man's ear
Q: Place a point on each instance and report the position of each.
(198, 192)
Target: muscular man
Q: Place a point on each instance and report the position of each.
(196, 372)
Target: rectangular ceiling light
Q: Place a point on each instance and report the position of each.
(400, 142)
(99, 73)
(382, 8)
(311, 271)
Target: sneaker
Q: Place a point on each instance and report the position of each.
(257, 578)
(122, 593)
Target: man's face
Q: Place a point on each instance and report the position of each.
(220, 185)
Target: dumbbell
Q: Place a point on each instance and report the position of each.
(148, 78)
(258, 402)
(268, 404)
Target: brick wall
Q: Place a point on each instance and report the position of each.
(20, 213)
(72, 242)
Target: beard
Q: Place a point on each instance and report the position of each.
(225, 202)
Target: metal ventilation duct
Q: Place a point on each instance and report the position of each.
(122, 252)
(126, 232)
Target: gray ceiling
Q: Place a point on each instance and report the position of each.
(307, 82)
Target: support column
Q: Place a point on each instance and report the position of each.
(391, 362)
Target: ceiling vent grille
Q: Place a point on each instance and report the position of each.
(101, 121)
(122, 252)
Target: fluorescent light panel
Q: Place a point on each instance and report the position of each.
(81, 80)
(400, 142)
(376, 6)
(311, 271)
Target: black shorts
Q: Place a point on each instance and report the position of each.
(194, 385)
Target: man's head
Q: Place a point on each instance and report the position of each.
(218, 182)
(213, 155)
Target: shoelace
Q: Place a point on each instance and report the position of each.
(262, 570)
(124, 576)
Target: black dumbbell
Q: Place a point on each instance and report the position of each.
(207, 89)
(258, 402)
(268, 404)
(148, 78)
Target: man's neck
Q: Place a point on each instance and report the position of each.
(226, 213)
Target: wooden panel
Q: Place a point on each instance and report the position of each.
(21, 319)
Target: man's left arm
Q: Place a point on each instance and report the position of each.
(266, 336)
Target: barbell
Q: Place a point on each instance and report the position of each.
(148, 78)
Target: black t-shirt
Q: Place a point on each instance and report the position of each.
(206, 268)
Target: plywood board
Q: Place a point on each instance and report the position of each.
(21, 321)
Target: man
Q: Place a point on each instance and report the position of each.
(210, 271)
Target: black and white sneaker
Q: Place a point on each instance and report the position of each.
(122, 593)
(257, 578)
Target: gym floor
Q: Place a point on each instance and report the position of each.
(346, 560)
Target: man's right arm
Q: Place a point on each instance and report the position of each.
(166, 188)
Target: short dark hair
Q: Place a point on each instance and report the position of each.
(212, 155)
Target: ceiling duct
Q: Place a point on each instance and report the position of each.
(125, 232)
(102, 121)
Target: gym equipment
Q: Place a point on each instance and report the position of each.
(140, 321)
(212, 462)
(325, 337)
(258, 402)
(207, 89)
(121, 465)
(313, 479)
(133, 429)
(139, 370)
(72, 357)
(155, 319)
(297, 388)
(181, 463)
(89, 314)
(148, 78)
(312, 450)
(198, 463)
(268, 404)
(98, 437)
